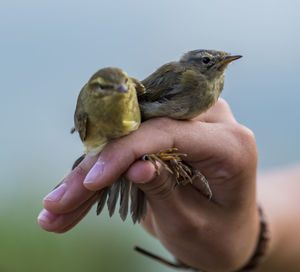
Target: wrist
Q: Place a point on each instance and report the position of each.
(261, 244)
(239, 240)
(260, 248)
(247, 239)
(245, 256)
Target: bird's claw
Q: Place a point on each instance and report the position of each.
(172, 161)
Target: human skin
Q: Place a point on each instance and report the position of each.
(216, 235)
(278, 192)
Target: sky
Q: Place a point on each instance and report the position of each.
(49, 49)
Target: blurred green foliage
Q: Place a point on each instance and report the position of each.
(96, 244)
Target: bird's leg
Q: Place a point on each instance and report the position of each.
(194, 174)
(154, 158)
(183, 173)
(172, 161)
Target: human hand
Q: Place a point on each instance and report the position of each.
(216, 235)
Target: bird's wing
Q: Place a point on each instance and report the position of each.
(162, 82)
(139, 87)
(81, 121)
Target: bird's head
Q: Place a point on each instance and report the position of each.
(109, 81)
(211, 63)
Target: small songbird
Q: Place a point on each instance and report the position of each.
(107, 108)
(184, 89)
(178, 90)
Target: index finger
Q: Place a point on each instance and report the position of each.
(71, 193)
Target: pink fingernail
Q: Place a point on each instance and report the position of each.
(57, 193)
(96, 172)
(46, 216)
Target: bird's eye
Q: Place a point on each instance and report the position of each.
(205, 60)
(101, 86)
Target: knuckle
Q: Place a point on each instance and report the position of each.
(246, 146)
(222, 105)
(246, 138)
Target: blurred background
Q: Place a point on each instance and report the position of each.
(49, 49)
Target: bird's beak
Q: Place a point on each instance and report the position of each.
(121, 88)
(225, 61)
(229, 59)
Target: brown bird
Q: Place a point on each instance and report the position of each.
(181, 90)
(184, 89)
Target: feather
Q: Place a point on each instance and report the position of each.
(102, 199)
(125, 189)
(138, 207)
(113, 195)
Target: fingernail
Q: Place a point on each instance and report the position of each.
(94, 174)
(57, 193)
(46, 216)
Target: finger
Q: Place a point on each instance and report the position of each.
(62, 222)
(163, 196)
(118, 155)
(156, 187)
(220, 112)
(71, 193)
(74, 223)
(155, 135)
(222, 151)
(141, 171)
(159, 189)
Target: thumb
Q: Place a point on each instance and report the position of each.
(171, 209)
(159, 188)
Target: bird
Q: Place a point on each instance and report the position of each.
(179, 90)
(107, 108)
(182, 90)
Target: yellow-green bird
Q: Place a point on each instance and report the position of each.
(107, 108)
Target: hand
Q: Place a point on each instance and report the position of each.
(216, 235)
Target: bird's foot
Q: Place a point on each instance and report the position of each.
(189, 174)
(171, 160)
(205, 188)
